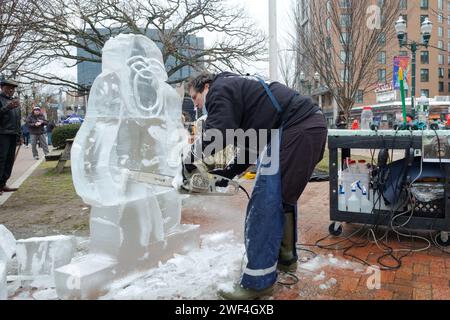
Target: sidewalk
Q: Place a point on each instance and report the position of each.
(329, 274)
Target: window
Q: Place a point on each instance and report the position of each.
(441, 73)
(441, 86)
(425, 57)
(345, 4)
(441, 44)
(424, 75)
(440, 32)
(449, 73)
(382, 57)
(346, 20)
(344, 75)
(448, 60)
(403, 4)
(381, 75)
(424, 4)
(382, 39)
(403, 53)
(448, 47)
(441, 4)
(359, 96)
(448, 86)
(425, 92)
(345, 38)
(441, 59)
(440, 18)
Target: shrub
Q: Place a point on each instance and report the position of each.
(62, 133)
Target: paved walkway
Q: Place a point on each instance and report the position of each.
(330, 274)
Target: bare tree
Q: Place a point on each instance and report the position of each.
(341, 40)
(287, 69)
(71, 25)
(17, 38)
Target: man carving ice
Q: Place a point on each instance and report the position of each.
(235, 102)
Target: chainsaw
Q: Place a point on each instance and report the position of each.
(199, 184)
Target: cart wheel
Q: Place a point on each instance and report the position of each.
(443, 239)
(333, 231)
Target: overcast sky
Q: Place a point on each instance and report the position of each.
(257, 10)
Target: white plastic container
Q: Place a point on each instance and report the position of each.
(349, 178)
(366, 118)
(366, 205)
(342, 202)
(354, 203)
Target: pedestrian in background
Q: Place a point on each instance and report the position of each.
(50, 127)
(36, 123)
(26, 134)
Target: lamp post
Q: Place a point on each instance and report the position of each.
(425, 29)
(305, 83)
(308, 84)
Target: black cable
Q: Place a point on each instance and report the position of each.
(246, 193)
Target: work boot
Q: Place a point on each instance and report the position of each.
(240, 293)
(8, 189)
(287, 259)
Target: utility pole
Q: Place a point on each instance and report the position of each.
(273, 45)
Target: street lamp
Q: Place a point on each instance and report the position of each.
(425, 29)
(305, 83)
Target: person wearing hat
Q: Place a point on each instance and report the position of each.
(10, 131)
(36, 124)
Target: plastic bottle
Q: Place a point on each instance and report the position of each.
(362, 165)
(366, 205)
(342, 206)
(353, 203)
(366, 118)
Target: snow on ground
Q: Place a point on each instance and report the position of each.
(217, 264)
(197, 275)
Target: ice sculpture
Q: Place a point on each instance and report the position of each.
(133, 122)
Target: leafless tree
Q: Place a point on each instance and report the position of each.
(287, 69)
(72, 25)
(341, 40)
(17, 38)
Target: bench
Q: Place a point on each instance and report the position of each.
(61, 156)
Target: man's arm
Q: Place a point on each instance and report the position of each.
(10, 106)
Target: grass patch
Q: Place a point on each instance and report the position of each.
(46, 204)
(45, 186)
(324, 165)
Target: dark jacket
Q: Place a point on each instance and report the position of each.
(341, 123)
(9, 119)
(235, 101)
(31, 121)
(239, 102)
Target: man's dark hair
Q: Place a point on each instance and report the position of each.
(198, 83)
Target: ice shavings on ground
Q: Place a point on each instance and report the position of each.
(310, 268)
(197, 275)
(320, 262)
(320, 276)
(327, 285)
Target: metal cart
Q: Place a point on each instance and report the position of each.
(346, 140)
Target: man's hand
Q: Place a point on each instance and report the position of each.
(13, 104)
(222, 173)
